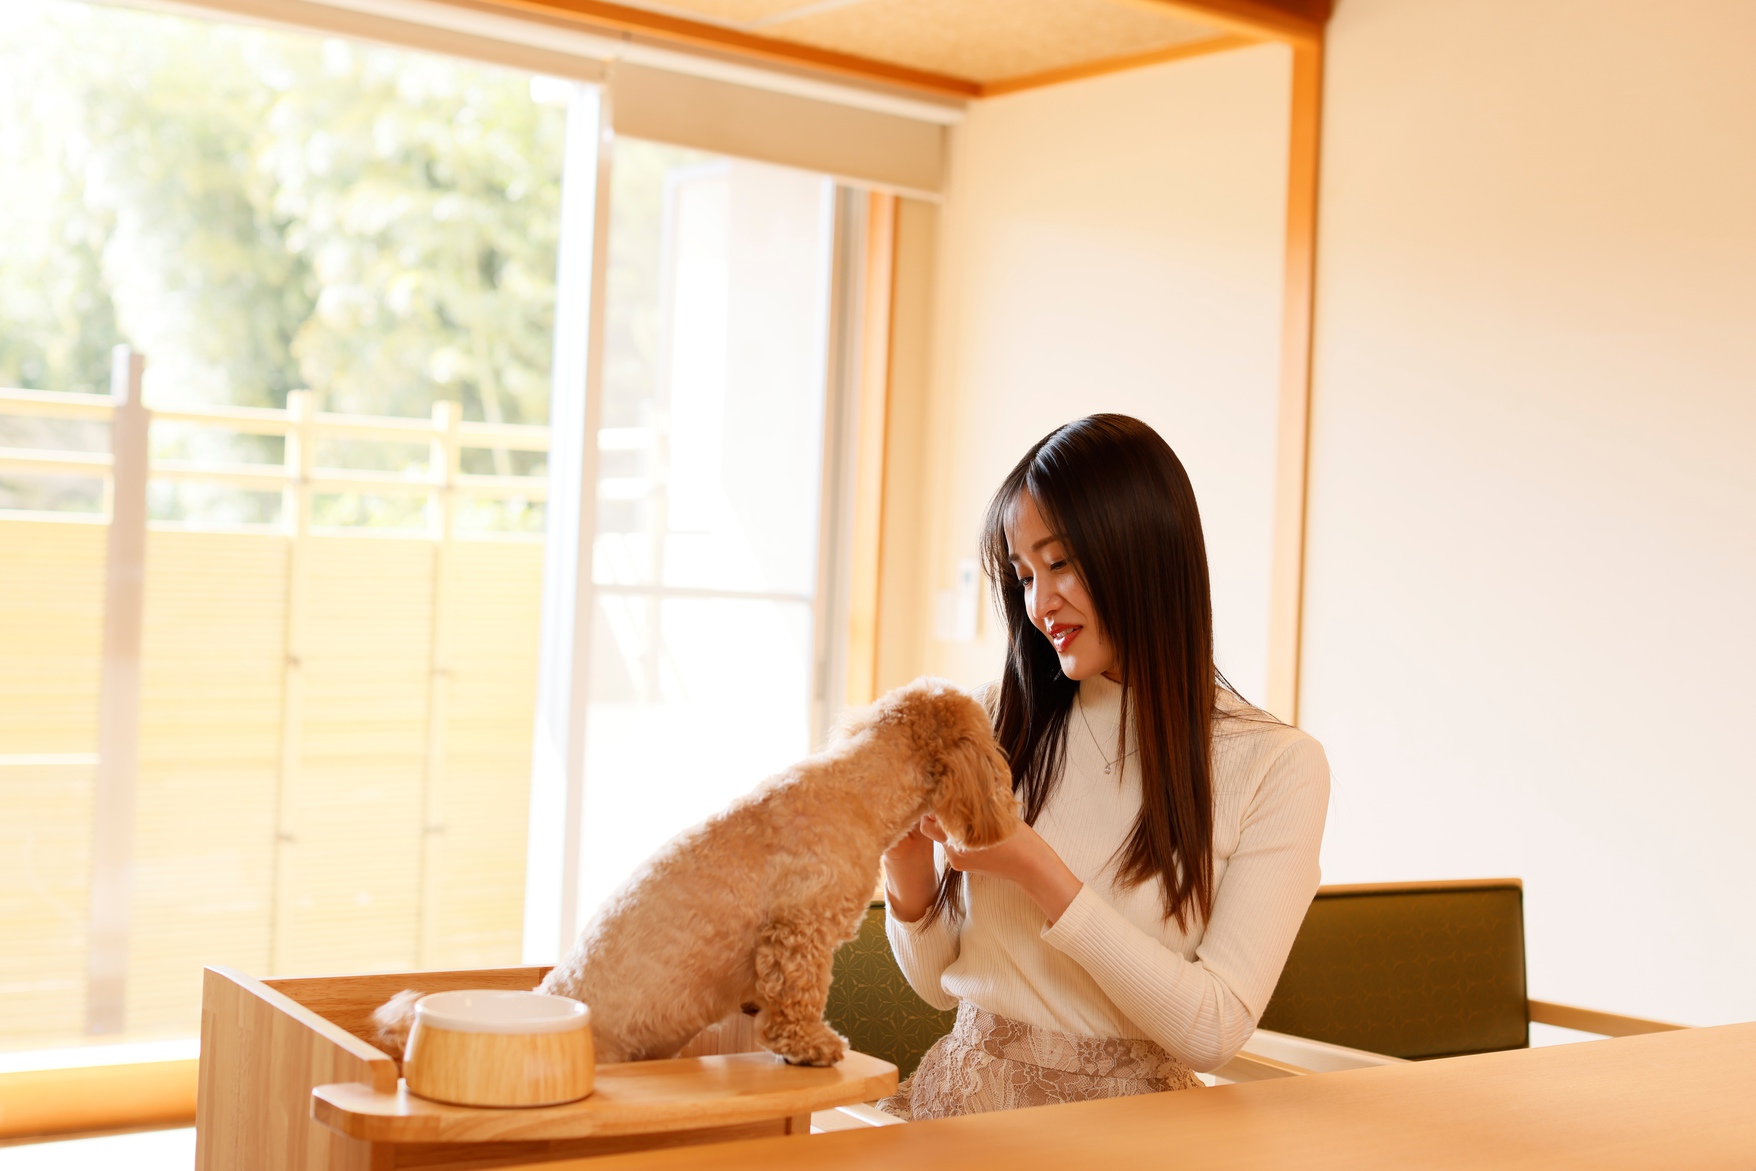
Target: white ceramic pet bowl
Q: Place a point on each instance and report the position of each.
(499, 1048)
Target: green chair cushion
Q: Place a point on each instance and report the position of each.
(1408, 972)
(871, 1003)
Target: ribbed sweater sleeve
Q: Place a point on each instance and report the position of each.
(1202, 1011)
(923, 952)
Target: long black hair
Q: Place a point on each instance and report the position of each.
(1118, 499)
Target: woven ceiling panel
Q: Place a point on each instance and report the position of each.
(980, 40)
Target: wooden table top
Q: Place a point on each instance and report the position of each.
(643, 1097)
(1680, 1099)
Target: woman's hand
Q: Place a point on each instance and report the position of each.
(1024, 858)
(910, 878)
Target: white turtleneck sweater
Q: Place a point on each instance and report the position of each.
(1112, 965)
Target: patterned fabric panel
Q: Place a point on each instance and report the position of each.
(1408, 973)
(872, 1005)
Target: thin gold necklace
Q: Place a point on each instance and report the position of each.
(1109, 765)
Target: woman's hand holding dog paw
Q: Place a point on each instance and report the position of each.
(1024, 858)
(910, 876)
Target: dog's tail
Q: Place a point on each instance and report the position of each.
(391, 1022)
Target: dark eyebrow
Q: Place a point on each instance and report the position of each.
(1048, 540)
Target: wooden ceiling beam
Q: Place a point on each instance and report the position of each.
(1298, 23)
(1295, 22)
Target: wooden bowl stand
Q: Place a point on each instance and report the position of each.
(289, 1083)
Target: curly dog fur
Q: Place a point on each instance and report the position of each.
(748, 908)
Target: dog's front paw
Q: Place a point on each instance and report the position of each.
(820, 1046)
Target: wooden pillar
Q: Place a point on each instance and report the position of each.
(871, 429)
(1292, 453)
(118, 703)
(296, 523)
(443, 466)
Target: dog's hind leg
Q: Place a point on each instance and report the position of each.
(795, 958)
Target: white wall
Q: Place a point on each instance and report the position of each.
(1116, 245)
(1531, 594)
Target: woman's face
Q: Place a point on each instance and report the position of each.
(1054, 595)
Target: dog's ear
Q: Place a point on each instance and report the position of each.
(916, 709)
(974, 800)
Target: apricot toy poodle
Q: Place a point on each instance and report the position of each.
(747, 909)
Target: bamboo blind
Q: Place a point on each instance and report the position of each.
(390, 844)
(51, 612)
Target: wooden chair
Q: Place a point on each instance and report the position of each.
(1413, 971)
(288, 1082)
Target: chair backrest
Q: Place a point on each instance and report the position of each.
(1413, 970)
(871, 1003)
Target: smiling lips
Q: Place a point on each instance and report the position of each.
(1063, 636)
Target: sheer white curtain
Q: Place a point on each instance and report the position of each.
(705, 558)
(684, 628)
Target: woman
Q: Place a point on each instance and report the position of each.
(1133, 930)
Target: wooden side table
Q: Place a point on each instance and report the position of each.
(637, 1105)
(288, 1083)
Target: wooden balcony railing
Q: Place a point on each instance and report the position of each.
(302, 426)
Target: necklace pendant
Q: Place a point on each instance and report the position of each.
(1107, 769)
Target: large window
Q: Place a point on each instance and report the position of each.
(340, 263)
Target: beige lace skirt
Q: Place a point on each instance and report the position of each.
(990, 1062)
